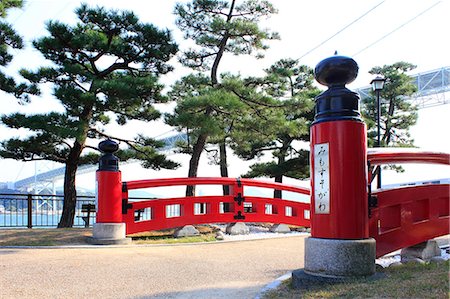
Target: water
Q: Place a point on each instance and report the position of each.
(46, 210)
(38, 220)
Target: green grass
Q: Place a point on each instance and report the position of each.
(165, 236)
(44, 237)
(172, 240)
(410, 281)
(77, 236)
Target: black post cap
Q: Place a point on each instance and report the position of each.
(338, 102)
(108, 146)
(336, 70)
(108, 162)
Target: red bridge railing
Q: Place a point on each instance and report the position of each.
(409, 215)
(389, 155)
(163, 213)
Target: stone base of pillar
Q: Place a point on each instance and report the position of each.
(109, 234)
(340, 258)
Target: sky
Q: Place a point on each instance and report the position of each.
(373, 32)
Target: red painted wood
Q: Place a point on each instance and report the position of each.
(405, 155)
(212, 181)
(213, 215)
(348, 181)
(408, 216)
(109, 200)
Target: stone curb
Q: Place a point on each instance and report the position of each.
(273, 285)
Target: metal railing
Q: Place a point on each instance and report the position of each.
(38, 210)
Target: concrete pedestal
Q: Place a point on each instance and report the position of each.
(109, 234)
(339, 258)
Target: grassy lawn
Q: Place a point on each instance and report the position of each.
(44, 237)
(410, 281)
(172, 240)
(166, 236)
(78, 236)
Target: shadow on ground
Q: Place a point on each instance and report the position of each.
(209, 293)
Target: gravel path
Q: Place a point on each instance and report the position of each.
(202, 270)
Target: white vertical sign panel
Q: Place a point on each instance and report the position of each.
(96, 191)
(322, 178)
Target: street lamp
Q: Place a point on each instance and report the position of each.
(377, 85)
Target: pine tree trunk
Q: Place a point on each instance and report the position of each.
(388, 132)
(223, 165)
(70, 192)
(279, 178)
(195, 159)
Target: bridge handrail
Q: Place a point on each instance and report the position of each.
(407, 216)
(213, 181)
(405, 155)
(211, 209)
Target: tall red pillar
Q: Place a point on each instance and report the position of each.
(338, 156)
(339, 245)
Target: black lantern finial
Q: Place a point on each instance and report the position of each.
(108, 162)
(338, 102)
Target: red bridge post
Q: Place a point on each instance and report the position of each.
(109, 227)
(340, 245)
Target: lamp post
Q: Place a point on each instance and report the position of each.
(377, 85)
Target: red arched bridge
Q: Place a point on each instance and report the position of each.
(236, 207)
(397, 218)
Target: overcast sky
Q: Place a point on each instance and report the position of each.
(374, 32)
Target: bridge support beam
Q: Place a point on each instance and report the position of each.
(109, 227)
(340, 246)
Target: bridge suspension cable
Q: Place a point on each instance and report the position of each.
(341, 30)
(396, 29)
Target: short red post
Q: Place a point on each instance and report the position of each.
(109, 185)
(339, 245)
(109, 227)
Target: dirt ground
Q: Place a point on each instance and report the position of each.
(201, 270)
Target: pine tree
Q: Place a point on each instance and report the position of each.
(104, 69)
(291, 86)
(218, 27)
(9, 39)
(397, 113)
